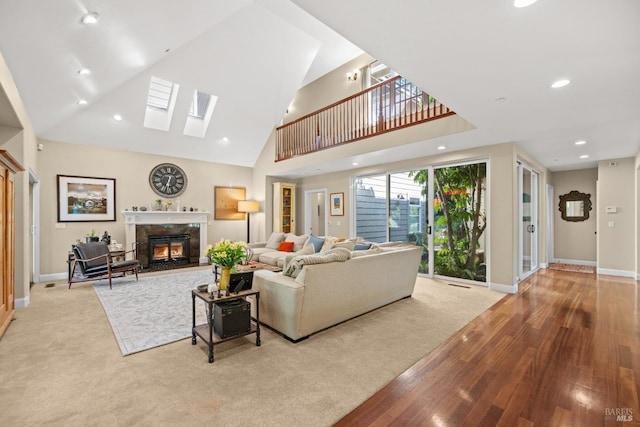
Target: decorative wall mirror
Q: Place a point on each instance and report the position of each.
(575, 206)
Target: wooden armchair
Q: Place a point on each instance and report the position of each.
(95, 262)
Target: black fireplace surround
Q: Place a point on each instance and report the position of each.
(167, 246)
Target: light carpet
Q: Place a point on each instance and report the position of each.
(61, 365)
(153, 311)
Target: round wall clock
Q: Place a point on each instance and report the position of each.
(168, 180)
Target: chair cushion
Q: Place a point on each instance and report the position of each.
(91, 250)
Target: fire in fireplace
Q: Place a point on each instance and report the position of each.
(168, 249)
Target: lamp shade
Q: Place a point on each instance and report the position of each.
(248, 206)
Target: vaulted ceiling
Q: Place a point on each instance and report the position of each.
(490, 62)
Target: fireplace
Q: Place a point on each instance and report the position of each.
(140, 226)
(167, 250)
(168, 246)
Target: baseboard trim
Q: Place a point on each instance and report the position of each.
(544, 265)
(574, 262)
(505, 289)
(22, 302)
(621, 273)
(53, 277)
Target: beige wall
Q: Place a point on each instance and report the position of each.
(501, 206)
(326, 90)
(21, 143)
(616, 245)
(131, 171)
(575, 241)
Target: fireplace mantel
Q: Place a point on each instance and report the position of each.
(133, 218)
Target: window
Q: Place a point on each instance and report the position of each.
(161, 100)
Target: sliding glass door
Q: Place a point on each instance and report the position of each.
(441, 209)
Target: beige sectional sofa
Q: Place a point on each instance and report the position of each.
(323, 295)
(268, 253)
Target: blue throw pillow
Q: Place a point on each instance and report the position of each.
(362, 246)
(317, 243)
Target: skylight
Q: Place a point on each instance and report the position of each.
(161, 101)
(199, 104)
(159, 93)
(200, 112)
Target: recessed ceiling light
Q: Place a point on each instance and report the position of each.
(580, 142)
(117, 117)
(584, 156)
(82, 102)
(441, 147)
(354, 164)
(523, 3)
(225, 139)
(90, 18)
(560, 83)
(84, 72)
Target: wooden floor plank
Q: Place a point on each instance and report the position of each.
(564, 350)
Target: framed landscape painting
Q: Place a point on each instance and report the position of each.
(86, 199)
(226, 202)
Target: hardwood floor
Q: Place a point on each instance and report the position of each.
(565, 350)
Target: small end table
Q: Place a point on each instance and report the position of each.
(206, 332)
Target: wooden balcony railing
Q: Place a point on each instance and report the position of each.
(387, 106)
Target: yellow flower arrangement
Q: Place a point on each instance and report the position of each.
(226, 253)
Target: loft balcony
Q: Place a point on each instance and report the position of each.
(391, 105)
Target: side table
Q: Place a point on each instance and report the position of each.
(206, 331)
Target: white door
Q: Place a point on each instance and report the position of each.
(315, 207)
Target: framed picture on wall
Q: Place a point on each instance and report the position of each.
(86, 199)
(226, 202)
(337, 204)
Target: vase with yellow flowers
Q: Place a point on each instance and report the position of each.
(226, 254)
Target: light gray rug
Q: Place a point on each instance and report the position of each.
(153, 311)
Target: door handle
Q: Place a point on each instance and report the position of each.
(428, 229)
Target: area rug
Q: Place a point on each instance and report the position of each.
(153, 311)
(573, 268)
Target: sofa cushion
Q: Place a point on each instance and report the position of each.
(285, 247)
(332, 255)
(362, 246)
(317, 242)
(298, 241)
(307, 250)
(272, 257)
(274, 240)
(329, 241)
(346, 245)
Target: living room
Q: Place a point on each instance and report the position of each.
(616, 251)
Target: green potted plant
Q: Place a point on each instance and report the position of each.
(158, 205)
(92, 237)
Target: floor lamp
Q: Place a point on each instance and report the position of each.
(248, 207)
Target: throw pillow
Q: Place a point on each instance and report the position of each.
(274, 240)
(362, 246)
(285, 247)
(298, 241)
(347, 245)
(317, 243)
